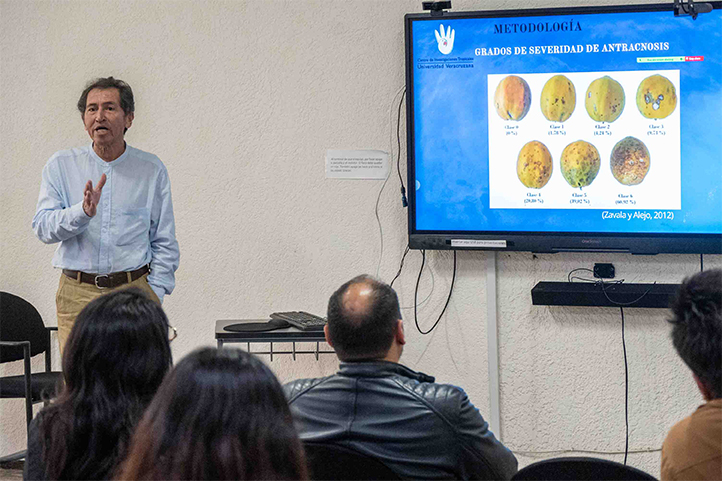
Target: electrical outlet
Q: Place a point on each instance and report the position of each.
(604, 271)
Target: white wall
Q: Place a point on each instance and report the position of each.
(241, 100)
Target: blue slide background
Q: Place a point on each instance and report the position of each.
(450, 117)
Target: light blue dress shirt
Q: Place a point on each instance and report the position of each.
(133, 225)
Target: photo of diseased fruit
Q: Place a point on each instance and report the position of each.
(630, 161)
(534, 165)
(580, 163)
(604, 99)
(512, 98)
(558, 99)
(656, 97)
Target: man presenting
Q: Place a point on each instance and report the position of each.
(118, 232)
(420, 429)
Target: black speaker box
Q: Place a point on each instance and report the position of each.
(604, 295)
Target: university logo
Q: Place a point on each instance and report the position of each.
(445, 39)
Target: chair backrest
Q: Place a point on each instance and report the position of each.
(20, 321)
(575, 468)
(331, 461)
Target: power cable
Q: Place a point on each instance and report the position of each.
(398, 273)
(626, 391)
(401, 266)
(404, 201)
(416, 292)
(388, 175)
(622, 304)
(605, 285)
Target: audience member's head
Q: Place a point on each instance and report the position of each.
(364, 321)
(220, 414)
(116, 357)
(697, 329)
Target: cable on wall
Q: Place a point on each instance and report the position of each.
(398, 273)
(416, 292)
(622, 304)
(404, 201)
(570, 278)
(388, 175)
(626, 391)
(401, 91)
(401, 266)
(605, 285)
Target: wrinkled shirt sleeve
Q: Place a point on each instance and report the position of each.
(165, 254)
(54, 221)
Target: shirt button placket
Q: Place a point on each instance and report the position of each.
(105, 200)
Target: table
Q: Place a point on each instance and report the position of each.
(287, 334)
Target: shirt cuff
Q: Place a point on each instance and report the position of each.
(79, 217)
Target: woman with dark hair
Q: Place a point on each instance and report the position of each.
(219, 414)
(116, 357)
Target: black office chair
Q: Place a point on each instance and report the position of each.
(576, 468)
(22, 336)
(331, 461)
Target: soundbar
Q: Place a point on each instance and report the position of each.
(603, 295)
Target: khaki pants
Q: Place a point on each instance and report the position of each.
(73, 296)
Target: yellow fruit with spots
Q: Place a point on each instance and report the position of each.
(630, 161)
(558, 99)
(656, 97)
(580, 163)
(512, 98)
(534, 165)
(604, 99)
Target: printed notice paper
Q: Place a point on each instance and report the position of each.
(357, 164)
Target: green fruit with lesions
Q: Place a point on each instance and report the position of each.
(580, 163)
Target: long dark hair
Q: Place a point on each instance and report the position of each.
(116, 357)
(219, 414)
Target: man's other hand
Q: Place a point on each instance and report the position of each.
(91, 196)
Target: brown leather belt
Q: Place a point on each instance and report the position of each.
(105, 281)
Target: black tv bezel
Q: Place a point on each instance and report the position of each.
(539, 242)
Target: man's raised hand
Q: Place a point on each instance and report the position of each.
(91, 196)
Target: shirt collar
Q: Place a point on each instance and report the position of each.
(381, 369)
(120, 159)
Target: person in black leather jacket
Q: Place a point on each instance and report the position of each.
(420, 429)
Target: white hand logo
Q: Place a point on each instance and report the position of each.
(445, 40)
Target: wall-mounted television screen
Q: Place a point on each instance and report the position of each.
(566, 129)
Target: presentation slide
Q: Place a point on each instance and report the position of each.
(607, 122)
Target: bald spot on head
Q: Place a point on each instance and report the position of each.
(362, 319)
(357, 301)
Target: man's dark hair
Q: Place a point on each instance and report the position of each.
(367, 334)
(697, 327)
(126, 94)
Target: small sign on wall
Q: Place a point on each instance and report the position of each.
(357, 164)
